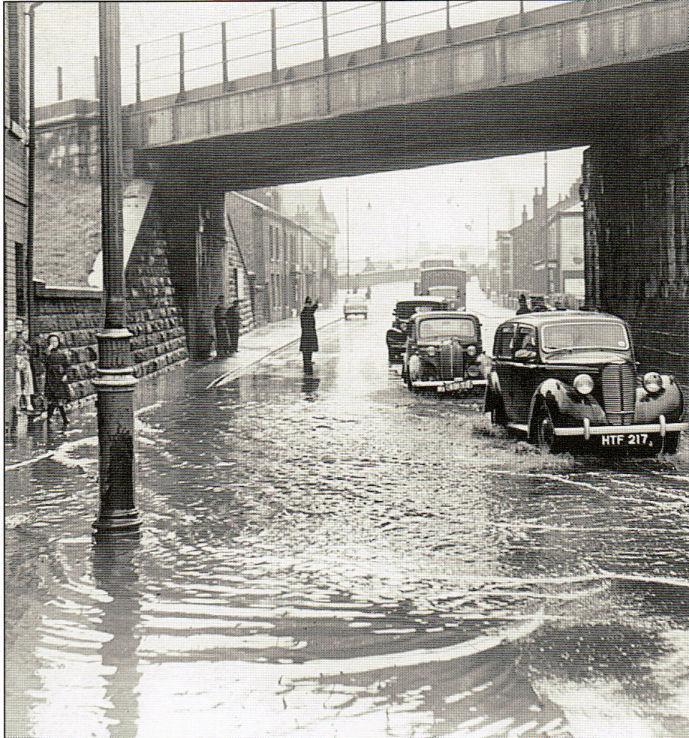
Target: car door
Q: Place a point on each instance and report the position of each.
(502, 363)
(525, 372)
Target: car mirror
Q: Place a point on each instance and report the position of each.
(525, 354)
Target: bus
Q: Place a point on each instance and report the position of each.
(447, 282)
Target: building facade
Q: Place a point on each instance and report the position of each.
(285, 260)
(15, 190)
(544, 254)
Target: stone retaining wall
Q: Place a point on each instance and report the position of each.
(153, 315)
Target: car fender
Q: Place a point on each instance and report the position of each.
(567, 407)
(393, 336)
(670, 402)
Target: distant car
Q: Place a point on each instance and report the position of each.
(443, 351)
(561, 375)
(355, 305)
(396, 337)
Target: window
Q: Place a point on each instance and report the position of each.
(526, 338)
(20, 277)
(503, 342)
(446, 328)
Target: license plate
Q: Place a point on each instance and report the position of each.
(456, 385)
(616, 440)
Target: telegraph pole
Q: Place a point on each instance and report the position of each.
(347, 201)
(115, 382)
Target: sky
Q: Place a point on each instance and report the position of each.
(461, 204)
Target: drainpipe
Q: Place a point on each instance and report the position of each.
(31, 177)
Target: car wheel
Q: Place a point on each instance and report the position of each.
(671, 443)
(544, 431)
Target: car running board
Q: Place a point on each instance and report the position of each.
(519, 427)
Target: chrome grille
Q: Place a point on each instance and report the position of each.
(619, 392)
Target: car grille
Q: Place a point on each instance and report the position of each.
(451, 361)
(619, 393)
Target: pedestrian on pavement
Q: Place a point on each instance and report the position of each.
(56, 387)
(23, 373)
(523, 307)
(222, 341)
(308, 344)
(233, 320)
(37, 359)
(368, 293)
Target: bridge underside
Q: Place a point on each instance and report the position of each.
(578, 109)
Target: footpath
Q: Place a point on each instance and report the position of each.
(40, 441)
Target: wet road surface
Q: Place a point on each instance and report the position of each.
(334, 556)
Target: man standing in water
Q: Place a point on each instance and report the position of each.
(233, 320)
(222, 344)
(309, 340)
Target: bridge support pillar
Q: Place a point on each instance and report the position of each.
(636, 233)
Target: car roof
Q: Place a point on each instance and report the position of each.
(427, 300)
(435, 314)
(561, 316)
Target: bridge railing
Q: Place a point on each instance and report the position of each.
(286, 35)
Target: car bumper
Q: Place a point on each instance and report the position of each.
(453, 385)
(587, 430)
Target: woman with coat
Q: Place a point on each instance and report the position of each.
(309, 340)
(56, 387)
(222, 342)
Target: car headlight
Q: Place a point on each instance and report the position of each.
(430, 351)
(471, 350)
(653, 383)
(583, 384)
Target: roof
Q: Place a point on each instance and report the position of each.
(428, 300)
(434, 314)
(557, 316)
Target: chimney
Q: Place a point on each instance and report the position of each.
(96, 76)
(525, 215)
(59, 83)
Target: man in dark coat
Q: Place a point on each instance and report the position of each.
(222, 341)
(309, 339)
(233, 320)
(523, 307)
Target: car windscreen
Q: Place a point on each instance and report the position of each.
(446, 328)
(585, 334)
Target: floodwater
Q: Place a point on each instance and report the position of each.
(332, 556)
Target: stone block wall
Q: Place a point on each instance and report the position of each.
(153, 315)
(636, 236)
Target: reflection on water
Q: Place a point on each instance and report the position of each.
(332, 556)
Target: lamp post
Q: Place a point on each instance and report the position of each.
(115, 382)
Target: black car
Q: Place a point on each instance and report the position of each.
(561, 375)
(444, 352)
(396, 337)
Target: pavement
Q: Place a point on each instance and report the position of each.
(36, 440)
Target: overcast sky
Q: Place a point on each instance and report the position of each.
(445, 204)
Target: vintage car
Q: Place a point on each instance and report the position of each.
(355, 305)
(572, 375)
(396, 337)
(443, 351)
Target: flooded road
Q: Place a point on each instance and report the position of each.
(334, 556)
